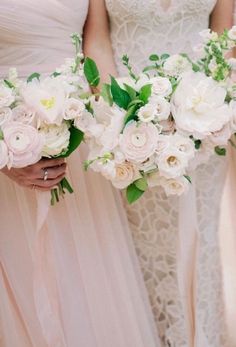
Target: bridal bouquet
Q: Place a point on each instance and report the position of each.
(154, 128)
(40, 117)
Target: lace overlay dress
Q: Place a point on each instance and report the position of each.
(138, 29)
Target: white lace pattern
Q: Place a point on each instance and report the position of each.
(140, 28)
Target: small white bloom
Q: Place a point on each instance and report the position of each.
(126, 173)
(139, 141)
(162, 107)
(5, 115)
(183, 144)
(161, 86)
(3, 154)
(6, 96)
(177, 186)
(176, 65)
(56, 137)
(172, 163)
(232, 33)
(73, 108)
(147, 113)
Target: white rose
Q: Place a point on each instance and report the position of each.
(6, 96)
(198, 105)
(172, 163)
(57, 138)
(3, 154)
(161, 86)
(183, 144)
(162, 107)
(147, 113)
(232, 33)
(126, 174)
(23, 114)
(46, 98)
(24, 144)
(177, 186)
(221, 137)
(176, 65)
(208, 35)
(73, 109)
(139, 141)
(5, 115)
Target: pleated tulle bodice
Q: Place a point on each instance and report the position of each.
(35, 35)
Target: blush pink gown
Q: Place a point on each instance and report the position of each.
(76, 282)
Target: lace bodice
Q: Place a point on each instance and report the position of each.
(28, 46)
(142, 27)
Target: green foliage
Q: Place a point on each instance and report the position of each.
(133, 193)
(120, 96)
(220, 151)
(33, 76)
(106, 93)
(145, 93)
(91, 72)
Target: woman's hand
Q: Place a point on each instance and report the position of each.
(44, 175)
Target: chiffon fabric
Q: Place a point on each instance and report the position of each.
(76, 281)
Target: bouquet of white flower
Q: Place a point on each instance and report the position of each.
(154, 128)
(40, 117)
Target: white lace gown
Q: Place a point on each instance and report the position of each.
(181, 266)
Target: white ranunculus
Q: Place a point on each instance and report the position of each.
(176, 186)
(23, 114)
(161, 86)
(147, 113)
(172, 163)
(162, 107)
(126, 173)
(6, 96)
(73, 108)
(46, 98)
(24, 143)
(232, 33)
(57, 138)
(198, 105)
(4, 158)
(176, 65)
(139, 141)
(5, 115)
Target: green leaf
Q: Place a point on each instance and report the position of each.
(145, 93)
(197, 144)
(9, 84)
(106, 93)
(220, 151)
(91, 72)
(188, 178)
(120, 96)
(131, 114)
(141, 184)
(154, 57)
(133, 193)
(150, 68)
(196, 68)
(76, 137)
(66, 185)
(1, 134)
(165, 56)
(131, 91)
(33, 76)
(56, 74)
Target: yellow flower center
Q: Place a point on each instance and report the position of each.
(48, 103)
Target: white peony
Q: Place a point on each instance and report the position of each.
(232, 33)
(5, 115)
(161, 86)
(4, 158)
(147, 113)
(73, 108)
(46, 98)
(162, 107)
(176, 65)
(6, 96)
(198, 105)
(126, 173)
(57, 138)
(139, 141)
(172, 163)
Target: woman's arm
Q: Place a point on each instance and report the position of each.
(97, 44)
(222, 15)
